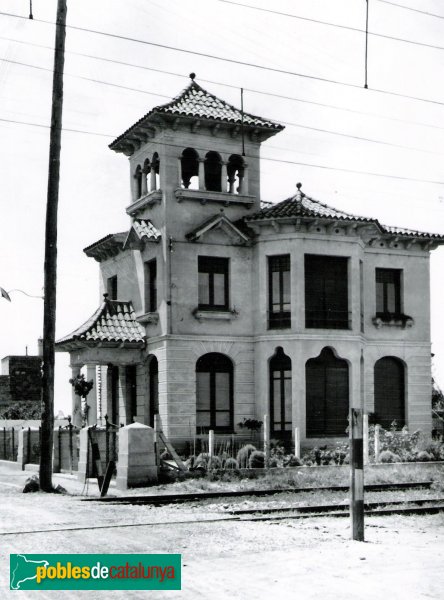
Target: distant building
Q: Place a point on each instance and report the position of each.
(21, 380)
(217, 309)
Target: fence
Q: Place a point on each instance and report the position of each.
(108, 443)
(66, 448)
(9, 438)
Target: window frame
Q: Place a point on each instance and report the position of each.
(214, 363)
(397, 282)
(212, 265)
(279, 365)
(280, 319)
(112, 287)
(150, 268)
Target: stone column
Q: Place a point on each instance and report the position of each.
(76, 403)
(91, 399)
(224, 177)
(201, 174)
(243, 183)
(137, 457)
(123, 397)
(153, 179)
(144, 182)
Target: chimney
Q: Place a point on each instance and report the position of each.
(40, 347)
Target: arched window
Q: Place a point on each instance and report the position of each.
(213, 172)
(153, 372)
(327, 395)
(138, 178)
(214, 393)
(280, 395)
(145, 176)
(190, 169)
(155, 171)
(389, 392)
(235, 171)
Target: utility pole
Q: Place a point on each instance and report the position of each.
(50, 268)
(356, 475)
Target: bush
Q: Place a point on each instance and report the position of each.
(230, 464)
(256, 460)
(389, 457)
(244, 454)
(292, 461)
(215, 462)
(423, 456)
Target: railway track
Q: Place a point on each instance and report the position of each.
(193, 497)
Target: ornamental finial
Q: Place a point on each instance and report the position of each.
(192, 76)
(299, 185)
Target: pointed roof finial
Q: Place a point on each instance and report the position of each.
(192, 76)
(299, 185)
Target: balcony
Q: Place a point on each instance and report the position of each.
(204, 196)
(392, 320)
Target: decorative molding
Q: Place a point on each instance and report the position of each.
(148, 199)
(401, 321)
(204, 196)
(148, 318)
(219, 315)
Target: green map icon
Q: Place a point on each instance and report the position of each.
(24, 570)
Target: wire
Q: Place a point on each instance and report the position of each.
(348, 27)
(233, 61)
(268, 158)
(227, 85)
(291, 124)
(423, 12)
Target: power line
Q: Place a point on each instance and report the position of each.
(329, 24)
(267, 158)
(291, 124)
(228, 85)
(423, 12)
(233, 61)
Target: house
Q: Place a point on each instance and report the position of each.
(216, 308)
(20, 381)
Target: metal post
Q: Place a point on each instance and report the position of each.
(297, 443)
(356, 475)
(59, 441)
(365, 438)
(377, 443)
(4, 443)
(266, 441)
(210, 447)
(50, 266)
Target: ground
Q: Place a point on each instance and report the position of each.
(311, 559)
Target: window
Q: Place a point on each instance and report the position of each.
(138, 176)
(326, 292)
(153, 389)
(213, 283)
(388, 292)
(235, 172)
(280, 395)
(326, 381)
(151, 286)
(111, 287)
(214, 393)
(279, 315)
(213, 172)
(389, 392)
(190, 169)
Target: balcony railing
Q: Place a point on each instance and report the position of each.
(279, 320)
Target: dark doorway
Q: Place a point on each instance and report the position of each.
(389, 392)
(280, 396)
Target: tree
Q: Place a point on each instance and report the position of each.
(82, 389)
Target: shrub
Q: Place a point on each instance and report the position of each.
(230, 464)
(256, 460)
(244, 454)
(386, 456)
(215, 462)
(292, 461)
(423, 456)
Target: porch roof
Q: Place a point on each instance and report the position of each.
(113, 325)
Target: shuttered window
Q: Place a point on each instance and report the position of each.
(280, 395)
(279, 295)
(327, 395)
(326, 292)
(214, 393)
(388, 292)
(389, 392)
(213, 283)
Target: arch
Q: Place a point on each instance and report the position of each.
(327, 395)
(213, 172)
(145, 175)
(214, 393)
(190, 169)
(235, 172)
(155, 172)
(280, 395)
(153, 383)
(138, 177)
(389, 385)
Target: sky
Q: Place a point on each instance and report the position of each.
(398, 168)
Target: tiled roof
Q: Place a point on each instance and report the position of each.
(301, 205)
(196, 103)
(110, 245)
(144, 228)
(114, 323)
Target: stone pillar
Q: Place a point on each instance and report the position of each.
(123, 397)
(201, 174)
(83, 455)
(224, 177)
(137, 458)
(153, 179)
(28, 439)
(91, 399)
(243, 183)
(144, 182)
(76, 403)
